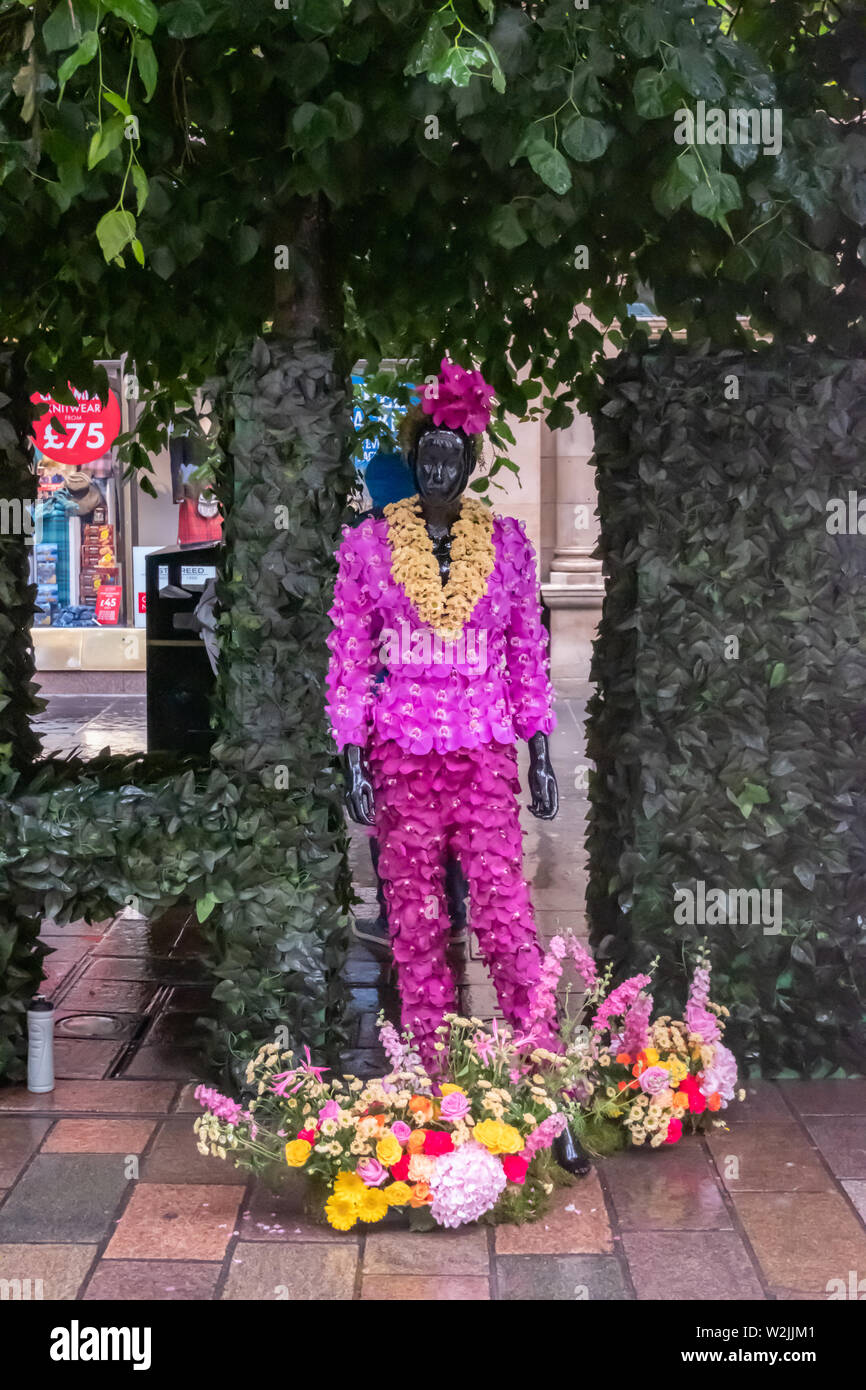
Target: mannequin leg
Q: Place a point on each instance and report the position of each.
(412, 843)
(488, 841)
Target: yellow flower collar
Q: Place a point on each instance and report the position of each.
(445, 608)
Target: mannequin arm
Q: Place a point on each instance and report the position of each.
(542, 779)
(359, 789)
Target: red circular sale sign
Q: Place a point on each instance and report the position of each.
(90, 426)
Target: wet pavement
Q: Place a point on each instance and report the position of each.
(104, 1195)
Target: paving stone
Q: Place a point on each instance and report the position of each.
(110, 996)
(280, 1216)
(175, 1158)
(665, 1189)
(50, 928)
(177, 1063)
(826, 1097)
(138, 937)
(430, 1253)
(62, 1268)
(560, 1279)
(191, 999)
(163, 969)
(64, 1198)
(19, 1138)
(768, 1158)
(764, 1104)
(857, 1192)
(98, 1136)
(802, 1240)
(688, 1265)
(68, 948)
(176, 1221)
(148, 1281)
(93, 1097)
(293, 1273)
(77, 1058)
(575, 1224)
(175, 1028)
(842, 1141)
(463, 1288)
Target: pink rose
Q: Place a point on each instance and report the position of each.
(453, 1106)
(514, 1167)
(329, 1111)
(401, 1131)
(654, 1080)
(371, 1172)
(675, 1131)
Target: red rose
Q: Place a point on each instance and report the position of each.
(515, 1167)
(691, 1086)
(675, 1131)
(400, 1171)
(308, 1134)
(438, 1142)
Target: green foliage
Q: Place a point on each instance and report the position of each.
(738, 767)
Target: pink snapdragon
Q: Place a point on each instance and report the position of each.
(619, 1000)
(698, 1017)
(544, 1134)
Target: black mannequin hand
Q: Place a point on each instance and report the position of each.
(542, 779)
(359, 793)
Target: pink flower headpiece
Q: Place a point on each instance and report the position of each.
(459, 400)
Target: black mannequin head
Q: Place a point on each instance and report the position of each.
(441, 461)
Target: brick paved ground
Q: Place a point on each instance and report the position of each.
(103, 1194)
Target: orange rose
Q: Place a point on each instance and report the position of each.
(714, 1102)
(681, 1100)
(417, 1139)
(421, 1195)
(423, 1106)
(624, 1058)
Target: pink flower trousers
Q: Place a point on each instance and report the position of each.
(466, 799)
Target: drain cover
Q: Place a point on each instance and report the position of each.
(91, 1026)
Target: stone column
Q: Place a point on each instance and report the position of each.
(575, 587)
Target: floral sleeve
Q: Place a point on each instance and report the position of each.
(527, 642)
(354, 655)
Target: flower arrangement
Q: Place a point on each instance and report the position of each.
(446, 608)
(474, 1142)
(626, 1078)
(475, 1147)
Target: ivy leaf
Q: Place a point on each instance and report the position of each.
(139, 180)
(585, 139)
(141, 13)
(84, 54)
(671, 191)
(548, 163)
(104, 140)
(65, 26)
(433, 46)
(115, 231)
(137, 250)
(245, 242)
(778, 674)
(146, 63)
(205, 906)
(505, 227)
(655, 93)
(641, 27)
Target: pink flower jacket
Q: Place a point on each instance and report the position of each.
(390, 677)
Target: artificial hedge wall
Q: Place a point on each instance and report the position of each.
(736, 763)
(256, 837)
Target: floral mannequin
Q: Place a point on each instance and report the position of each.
(430, 750)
